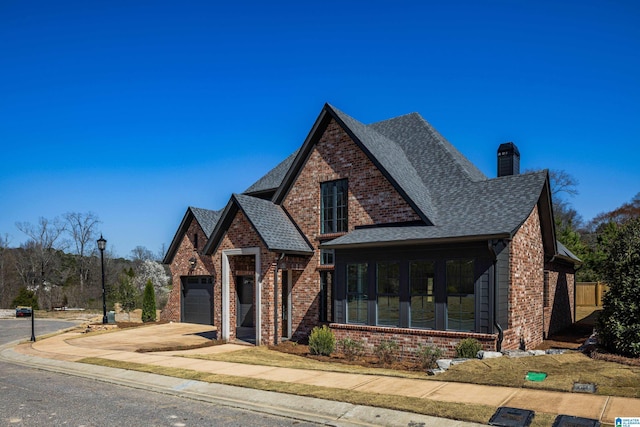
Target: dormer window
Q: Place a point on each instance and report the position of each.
(333, 208)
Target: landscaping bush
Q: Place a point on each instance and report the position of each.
(322, 341)
(351, 348)
(149, 303)
(468, 348)
(387, 351)
(619, 322)
(427, 355)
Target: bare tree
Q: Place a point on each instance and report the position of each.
(4, 292)
(140, 254)
(36, 266)
(562, 182)
(82, 227)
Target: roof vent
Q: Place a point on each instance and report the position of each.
(508, 159)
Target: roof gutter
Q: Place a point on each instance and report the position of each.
(423, 241)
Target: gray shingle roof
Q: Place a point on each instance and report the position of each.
(395, 162)
(206, 218)
(273, 178)
(453, 197)
(273, 225)
(483, 209)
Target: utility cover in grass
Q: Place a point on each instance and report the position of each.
(536, 376)
(512, 417)
(584, 387)
(571, 421)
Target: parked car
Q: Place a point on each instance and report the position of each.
(23, 312)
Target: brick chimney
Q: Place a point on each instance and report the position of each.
(508, 159)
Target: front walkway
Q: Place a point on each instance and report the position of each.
(121, 346)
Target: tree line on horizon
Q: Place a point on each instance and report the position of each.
(588, 240)
(59, 266)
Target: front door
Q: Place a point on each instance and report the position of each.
(245, 308)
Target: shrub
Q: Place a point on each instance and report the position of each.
(351, 348)
(149, 303)
(619, 322)
(427, 355)
(387, 351)
(322, 341)
(26, 298)
(468, 348)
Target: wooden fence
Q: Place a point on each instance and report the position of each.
(590, 293)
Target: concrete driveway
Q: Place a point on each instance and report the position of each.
(148, 337)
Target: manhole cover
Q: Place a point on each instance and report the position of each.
(570, 421)
(584, 387)
(511, 417)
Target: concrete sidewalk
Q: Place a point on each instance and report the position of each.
(121, 346)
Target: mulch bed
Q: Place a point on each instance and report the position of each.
(298, 349)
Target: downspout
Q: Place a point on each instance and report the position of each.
(492, 245)
(275, 301)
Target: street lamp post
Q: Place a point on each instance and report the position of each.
(102, 244)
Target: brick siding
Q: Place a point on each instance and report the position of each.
(526, 290)
(408, 340)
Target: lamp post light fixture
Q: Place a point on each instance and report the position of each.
(102, 244)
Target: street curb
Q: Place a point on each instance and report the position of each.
(299, 408)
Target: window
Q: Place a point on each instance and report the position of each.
(326, 286)
(388, 293)
(326, 256)
(195, 240)
(357, 297)
(333, 209)
(460, 295)
(421, 280)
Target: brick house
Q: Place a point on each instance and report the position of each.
(381, 231)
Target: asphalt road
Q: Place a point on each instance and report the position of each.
(31, 397)
(20, 329)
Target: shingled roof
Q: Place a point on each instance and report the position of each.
(452, 196)
(269, 220)
(206, 218)
(272, 180)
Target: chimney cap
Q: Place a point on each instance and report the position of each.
(510, 147)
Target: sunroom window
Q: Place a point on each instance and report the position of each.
(423, 305)
(460, 295)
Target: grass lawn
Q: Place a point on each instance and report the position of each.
(562, 371)
(457, 411)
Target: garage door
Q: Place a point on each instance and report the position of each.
(197, 300)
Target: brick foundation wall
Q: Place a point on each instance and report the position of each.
(409, 339)
(526, 293)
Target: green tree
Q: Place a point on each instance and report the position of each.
(26, 298)
(149, 303)
(619, 322)
(126, 292)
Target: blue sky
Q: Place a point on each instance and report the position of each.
(134, 110)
